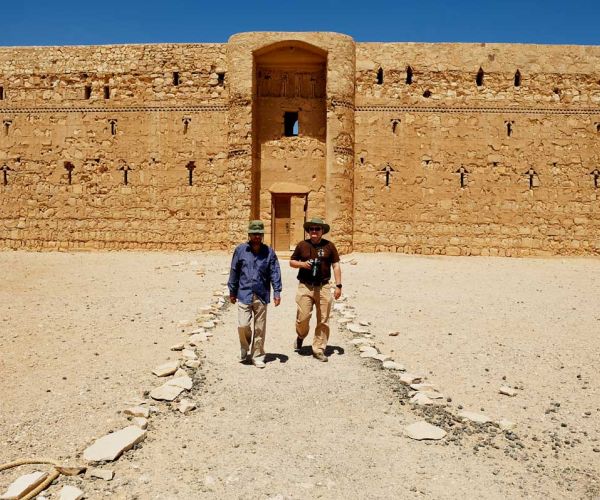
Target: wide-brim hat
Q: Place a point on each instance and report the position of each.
(315, 221)
(256, 227)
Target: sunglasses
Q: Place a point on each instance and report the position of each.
(316, 228)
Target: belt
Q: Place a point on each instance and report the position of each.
(323, 283)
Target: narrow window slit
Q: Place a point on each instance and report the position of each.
(463, 172)
(387, 172)
(221, 78)
(517, 78)
(190, 167)
(5, 169)
(290, 124)
(87, 91)
(380, 76)
(534, 180)
(509, 127)
(106, 92)
(409, 75)
(125, 169)
(186, 125)
(7, 124)
(395, 123)
(69, 168)
(479, 78)
(175, 77)
(1, 93)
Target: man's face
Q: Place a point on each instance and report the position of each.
(315, 233)
(255, 239)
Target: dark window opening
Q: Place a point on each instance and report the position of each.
(556, 90)
(409, 75)
(5, 169)
(518, 79)
(427, 94)
(387, 171)
(479, 78)
(113, 127)
(380, 76)
(7, 124)
(190, 167)
(1, 93)
(362, 160)
(596, 175)
(69, 168)
(395, 123)
(106, 92)
(175, 77)
(597, 127)
(87, 93)
(221, 78)
(290, 124)
(125, 170)
(509, 128)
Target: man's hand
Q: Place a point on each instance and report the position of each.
(337, 293)
(232, 299)
(277, 301)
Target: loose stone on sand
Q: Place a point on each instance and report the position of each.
(423, 430)
(111, 446)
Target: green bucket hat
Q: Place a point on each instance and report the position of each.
(315, 221)
(256, 227)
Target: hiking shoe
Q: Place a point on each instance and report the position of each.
(258, 362)
(243, 355)
(321, 357)
(298, 344)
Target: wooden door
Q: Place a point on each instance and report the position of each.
(281, 222)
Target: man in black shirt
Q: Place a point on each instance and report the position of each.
(314, 259)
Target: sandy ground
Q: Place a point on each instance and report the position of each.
(80, 334)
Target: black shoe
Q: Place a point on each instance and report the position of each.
(298, 344)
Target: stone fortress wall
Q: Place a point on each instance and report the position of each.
(458, 149)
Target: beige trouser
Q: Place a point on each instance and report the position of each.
(320, 297)
(245, 313)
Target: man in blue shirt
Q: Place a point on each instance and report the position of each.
(254, 269)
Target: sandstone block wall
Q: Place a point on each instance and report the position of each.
(458, 149)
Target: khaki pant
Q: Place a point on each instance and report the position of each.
(320, 297)
(245, 313)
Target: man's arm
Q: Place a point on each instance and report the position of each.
(337, 274)
(234, 277)
(276, 279)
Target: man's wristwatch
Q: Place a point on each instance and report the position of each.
(339, 285)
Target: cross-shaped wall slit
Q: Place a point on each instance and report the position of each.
(190, 168)
(69, 168)
(387, 172)
(7, 124)
(186, 124)
(113, 126)
(534, 180)
(395, 122)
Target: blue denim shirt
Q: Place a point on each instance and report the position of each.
(254, 273)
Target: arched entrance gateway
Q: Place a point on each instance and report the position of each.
(289, 116)
(301, 133)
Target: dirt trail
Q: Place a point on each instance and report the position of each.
(299, 428)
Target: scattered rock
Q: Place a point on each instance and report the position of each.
(208, 324)
(343, 321)
(166, 369)
(367, 347)
(166, 392)
(411, 378)
(138, 411)
(188, 354)
(423, 387)
(186, 405)
(70, 493)
(421, 399)
(356, 328)
(177, 347)
(382, 357)
(479, 418)
(506, 425)
(112, 445)
(364, 323)
(392, 365)
(24, 484)
(507, 391)
(359, 341)
(140, 422)
(184, 382)
(105, 474)
(192, 363)
(423, 430)
(196, 339)
(394, 334)
(184, 323)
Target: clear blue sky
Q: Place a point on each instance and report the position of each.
(84, 22)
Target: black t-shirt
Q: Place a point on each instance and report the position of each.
(324, 253)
